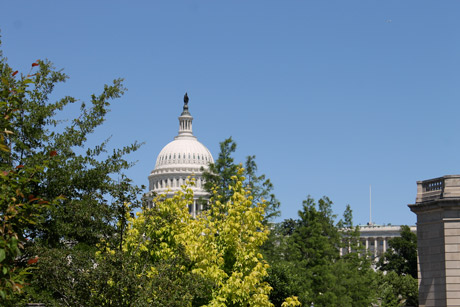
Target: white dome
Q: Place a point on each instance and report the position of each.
(180, 160)
(184, 152)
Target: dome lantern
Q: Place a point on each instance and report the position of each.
(185, 120)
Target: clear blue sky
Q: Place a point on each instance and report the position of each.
(331, 96)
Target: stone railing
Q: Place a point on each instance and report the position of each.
(438, 188)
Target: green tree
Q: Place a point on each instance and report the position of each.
(314, 246)
(355, 281)
(287, 280)
(44, 158)
(261, 188)
(306, 248)
(401, 256)
(315, 240)
(305, 259)
(399, 286)
(397, 290)
(20, 207)
(218, 178)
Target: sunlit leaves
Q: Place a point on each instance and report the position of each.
(221, 245)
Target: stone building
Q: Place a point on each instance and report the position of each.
(438, 240)
(180, 159)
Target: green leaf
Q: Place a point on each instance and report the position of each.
(2, 254)
(14, 243)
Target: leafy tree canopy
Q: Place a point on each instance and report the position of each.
(401, 257)
(306, 262)
(220, 248)
(218, 179)
(60, 196)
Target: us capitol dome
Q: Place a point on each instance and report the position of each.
(182, 158)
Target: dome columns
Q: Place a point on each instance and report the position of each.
(185, 125)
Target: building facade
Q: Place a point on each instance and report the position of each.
(375, 238)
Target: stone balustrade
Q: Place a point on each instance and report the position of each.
(438, 188)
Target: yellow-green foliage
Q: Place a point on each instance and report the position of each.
(222, 243)
(226, 248)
